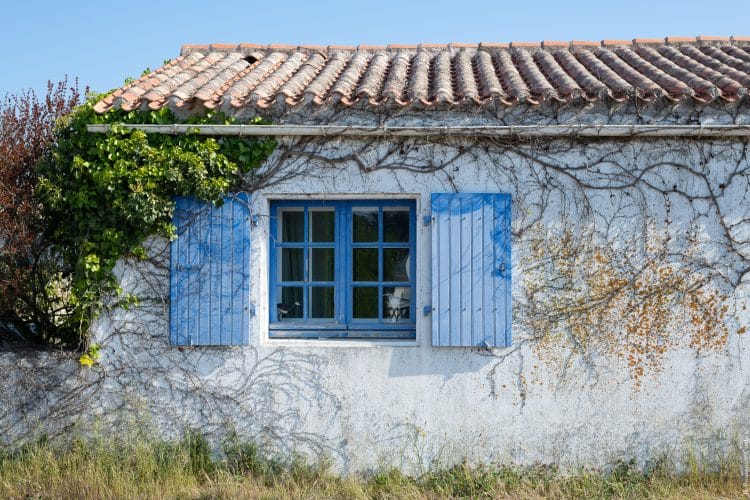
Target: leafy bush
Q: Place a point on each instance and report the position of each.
(30, 297)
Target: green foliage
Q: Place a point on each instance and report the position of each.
(104, 194)
(199, 453)
(243, 458)
(91, 355)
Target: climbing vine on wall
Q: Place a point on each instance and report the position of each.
(593, 299)
(104, 194)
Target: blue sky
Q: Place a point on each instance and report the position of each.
(103, 42)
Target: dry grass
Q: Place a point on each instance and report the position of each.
(138, 468)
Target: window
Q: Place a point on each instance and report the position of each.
(342, 269)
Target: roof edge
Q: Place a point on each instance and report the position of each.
(545, 44)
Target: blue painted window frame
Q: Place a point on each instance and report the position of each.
(343, 325)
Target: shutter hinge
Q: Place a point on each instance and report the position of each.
(427, 310)
(254, 220)
(426, 220)
(251, 309)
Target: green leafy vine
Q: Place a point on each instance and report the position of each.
(105, 194)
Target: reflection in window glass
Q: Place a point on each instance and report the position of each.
(365, 264)
(321, 302)
(292, 225)
(322, 226)
(365, 224)
(365, 302)
(395, 264)
(292, 303)
(395, 225)
(396, 302)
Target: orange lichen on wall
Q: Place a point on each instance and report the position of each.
(634, 304)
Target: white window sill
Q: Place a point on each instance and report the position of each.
(338, 342)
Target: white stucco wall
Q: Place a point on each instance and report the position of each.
(554, 396)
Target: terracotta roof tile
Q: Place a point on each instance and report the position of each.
(317, 48)
(238, 76)
(394, 87)
(419, 82)
(193, 47)
(680, 39)
(709, 38)
(648, 41)
(584, 43)
(489, 84)
(554, 44)
(493, 45)
(280, 46)
(223, 46)
(613, 43)
(525, 44)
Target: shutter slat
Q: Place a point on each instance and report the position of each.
(209, 280)
(490, 304)
(471, 269)
(441, 296)
(454, 282)
(477, 269)
(465, 224)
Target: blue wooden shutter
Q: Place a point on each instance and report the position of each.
(209, 278)
(471, 269)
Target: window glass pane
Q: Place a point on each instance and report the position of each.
(365, 224)
(396, 301)
(321, 264)
(321, 302)
(396, 225)
(291, 304)
(365, 264)
(292, 264)
(321, 225)
(292, 225)
(365, 301)
(395, 264)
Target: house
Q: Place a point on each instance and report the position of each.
(518, 253)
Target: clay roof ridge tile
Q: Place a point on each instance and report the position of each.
(675, 40)
(584, 43)
(525, 45)
(648, 41)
